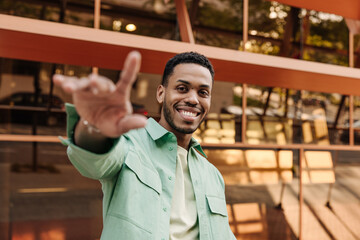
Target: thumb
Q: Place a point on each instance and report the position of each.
(130, 122)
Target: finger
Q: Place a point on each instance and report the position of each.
(129, 73)
(101, 85)
(130, 122)
(58, 79)
(66, 83)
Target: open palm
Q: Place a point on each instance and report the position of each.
(102, 103)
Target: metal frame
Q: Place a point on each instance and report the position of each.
(28, 39)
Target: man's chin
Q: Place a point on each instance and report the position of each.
(185, 129)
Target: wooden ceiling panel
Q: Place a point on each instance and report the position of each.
(346, 8)
(37, 40)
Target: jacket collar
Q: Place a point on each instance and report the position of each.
(156, 131)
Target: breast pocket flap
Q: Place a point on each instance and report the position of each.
(217, 205)
(146, 175)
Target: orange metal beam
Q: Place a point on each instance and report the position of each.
(346, 8)
(351, 97)
(301, 197)
(29, 39)
(97, 10)
(353, 25)
(244, 86)
(28, 138)
(184, 22)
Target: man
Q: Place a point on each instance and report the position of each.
(156, 182)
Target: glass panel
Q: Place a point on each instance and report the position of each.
(71, 12)
(267, 22)
(271, 115)
(29, 103)
(325, 32)
(25, 89)
(47, 198)
(220, 125)
(142, 21)
(323, 118)
(331, 195)
(356, 122)
(259, 183)
(219, 23)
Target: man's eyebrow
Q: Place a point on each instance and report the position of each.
(184, 81)
(188, 83)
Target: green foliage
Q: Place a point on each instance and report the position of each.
(328, 33)
(250, 102)
(20, 9)
(227, 19)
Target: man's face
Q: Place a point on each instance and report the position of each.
(186, 99)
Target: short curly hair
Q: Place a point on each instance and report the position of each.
(186, 57)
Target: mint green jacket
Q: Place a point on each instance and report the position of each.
(138, 176)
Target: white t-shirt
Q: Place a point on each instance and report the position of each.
(183, 218)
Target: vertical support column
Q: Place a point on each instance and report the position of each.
(351, 49)
(301, 198)
(244, 87)
(351, 97)
(351, 120)
(184, 22)
(5, 200)
(243, 116)
(245, 21)
(97, 7)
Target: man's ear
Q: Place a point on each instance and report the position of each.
(160, 94)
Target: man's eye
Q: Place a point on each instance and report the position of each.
(204, 93)
(181, 89)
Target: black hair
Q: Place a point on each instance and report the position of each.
(186, 57)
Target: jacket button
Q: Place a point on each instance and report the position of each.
(171, 148)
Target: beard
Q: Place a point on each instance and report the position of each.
(170, 120)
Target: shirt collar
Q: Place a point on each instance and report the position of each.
(195, 144)
(156, 131)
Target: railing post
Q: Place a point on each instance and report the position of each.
(351, 97)
(244, 86)
(97, 7)
(184, 22)
(301, 198)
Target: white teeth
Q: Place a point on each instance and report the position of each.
(189, 114)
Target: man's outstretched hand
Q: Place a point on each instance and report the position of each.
(102, 103)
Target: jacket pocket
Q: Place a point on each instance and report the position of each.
(217, 205)
(146, 175)
(136, 196)
(218, 218)
(119, 228)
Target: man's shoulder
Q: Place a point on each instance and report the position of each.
(211, 174)
(136, 134)
(205, 162)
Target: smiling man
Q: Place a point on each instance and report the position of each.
(157, 184)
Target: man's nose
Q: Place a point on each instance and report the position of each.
(192, 98)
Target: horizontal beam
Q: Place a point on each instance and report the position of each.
(28, 138)
(307, 147)
(36, 40)
(345, 8)
(238, 145)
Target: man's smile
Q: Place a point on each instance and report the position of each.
(189, 114)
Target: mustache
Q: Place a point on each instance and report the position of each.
(189, 105)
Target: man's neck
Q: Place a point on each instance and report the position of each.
(183, 140)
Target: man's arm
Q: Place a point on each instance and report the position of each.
(90, 138)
